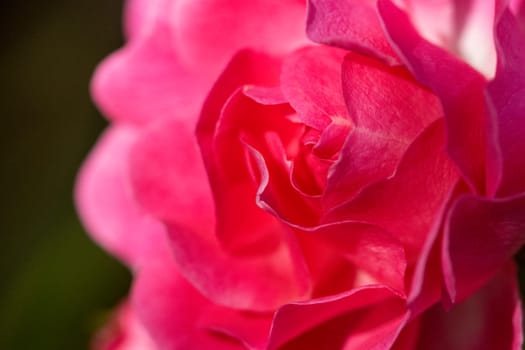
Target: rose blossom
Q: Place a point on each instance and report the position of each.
(365, 191)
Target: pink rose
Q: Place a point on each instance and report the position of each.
(273, 193)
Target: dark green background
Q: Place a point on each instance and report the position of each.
(56, 286)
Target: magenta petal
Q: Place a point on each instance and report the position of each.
(489, 319)
(145, 81)
(369, 248)
(389, 110)
(365, 318)
(106, 204)
(427, 280)
(460, 88)
(209, 32)
(311, 83)
(170, 181)
(506, 93)
(177, 316)
(481, 235)
(389, 205)
(351, 24)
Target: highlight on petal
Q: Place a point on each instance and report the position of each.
(481, 235)
(463, 28)
(459, 87)
(107, 206)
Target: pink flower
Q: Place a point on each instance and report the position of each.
(269, 192)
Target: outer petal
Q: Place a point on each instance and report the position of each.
(461, 27)
(107, 206)
(170, 181)
(489, 319)
(481, 235)
(179, 317)
(209, 32)
(460, 88)
(145, 81)
(351, 24)
(124, 332)
(506, 94)
(363, 318)
(140, 16)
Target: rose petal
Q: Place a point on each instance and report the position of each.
(459, 87)
(407, 215)
(506, 94)
(489, 319)
(426, 281)
(145, 81)
(363, 318)
(389, 110)
(107, 206)
(209, 32)
(178, 317)
(140, 16)
(481, 235)
(369, 248)
(462, 28)
(352, 25)
(227, 115)
(170, 181)
(124, 332)
(311, 83)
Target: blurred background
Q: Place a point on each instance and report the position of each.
(56, 286)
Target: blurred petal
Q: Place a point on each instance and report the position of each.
(481, 235)
(124, 332)
(464, 28)
(506, 94)
(209, 32)
(145, 81)
(179, 317)
(106, 204)
(489, 319)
